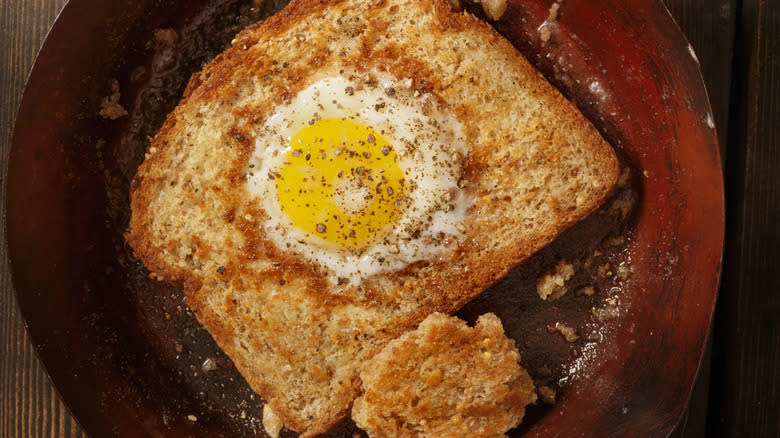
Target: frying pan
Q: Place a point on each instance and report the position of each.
(129, 358)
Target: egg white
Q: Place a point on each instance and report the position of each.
(430, 146)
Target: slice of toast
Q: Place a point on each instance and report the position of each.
(535, 166)
(445, 379)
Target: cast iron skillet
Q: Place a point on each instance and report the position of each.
(129, 358)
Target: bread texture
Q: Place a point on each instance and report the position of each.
(445, 379)
(535, 166)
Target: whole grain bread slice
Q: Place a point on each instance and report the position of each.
(535, 166)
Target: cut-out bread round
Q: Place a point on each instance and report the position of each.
(445, 379)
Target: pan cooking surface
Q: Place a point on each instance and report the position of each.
(126, 352)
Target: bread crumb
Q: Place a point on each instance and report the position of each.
(569, 333)
(192, 418)
(271, 421)
(624, 271)
(605, 313)
(494, 9)
(553, 15)
(545, 33)
(552, 285)
(545, 29)
(587, 291)
(208, 365)
(547, 395)
(109, 106)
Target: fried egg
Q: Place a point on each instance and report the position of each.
(359, 174)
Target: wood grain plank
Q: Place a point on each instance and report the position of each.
(747, 401)
(709, 27)
(29, 405)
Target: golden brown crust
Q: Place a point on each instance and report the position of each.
(535, 167)
(445, 379)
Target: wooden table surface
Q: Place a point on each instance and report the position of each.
(738, 389)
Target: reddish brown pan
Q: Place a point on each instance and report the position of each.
(130, 360)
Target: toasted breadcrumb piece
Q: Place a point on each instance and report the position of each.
(494, 9)
(552, 285)
(547, 395)
(110, 108)
(569, 333)
(445, 379)
(271, 422)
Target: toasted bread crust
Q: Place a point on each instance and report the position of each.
(535, 167)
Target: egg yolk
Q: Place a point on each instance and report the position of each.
(341, 181)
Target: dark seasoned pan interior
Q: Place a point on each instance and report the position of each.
(128, 355)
